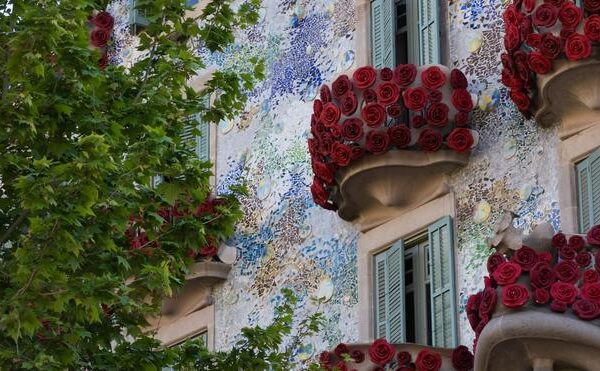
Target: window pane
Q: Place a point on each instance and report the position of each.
(428, 315)
(410, 317)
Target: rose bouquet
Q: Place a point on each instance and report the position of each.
(411, 108)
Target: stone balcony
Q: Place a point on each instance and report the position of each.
(383, 141)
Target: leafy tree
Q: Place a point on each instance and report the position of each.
(80, 143)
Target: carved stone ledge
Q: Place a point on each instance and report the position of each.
(376, 189)
(536, 338)
(209, 272)
(570, 95)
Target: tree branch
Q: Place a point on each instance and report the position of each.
(13, 226)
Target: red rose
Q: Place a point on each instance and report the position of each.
(510, 80)
(534, 40)
(208, 250)
(435, 96)
(538, 63)
(352, 129)
(415, 99)
(591, 29)
(378, 142)
(341, 86)
(494, 261)
(521, 100)
(565, 33)
(103, 20)
(542, 275)
(578, 47)
(526, 257)
(317, 107)
(587, 310)
(506, 60)
(583, 259)
(341, 349)
(512, 38)
(461, 99)
(592, 6)
(472, 309)
(369, 96)
(326, 141)
(460, 140)
(462, 358)
(507, 273)
(340, 154)
(461, 118)
(567, 271)
(373, 114)
(325, 359)
(511, 15)
(319, 193)
(437, 115)
(515, 295)
(357, 355)
(325, 93)
(576, 242)
(404, 358)
(364, 77)
(430, 140)
(488, 303)
(433, 78)
(99, 37)
(545, 257)
(405, 74)
(388, 93)
(591, 291)
(417, 121)
(590, 276)
(545, 15)
(386, 74)
(458, 79)
(399, 135)
(593, 235)
(322, 171)
(348, 103)
(357, 152)
(336, 131)
(428, 360)
(559, 240)
(381, 352)
(564, 292)
(541, 296)
(556, 3)
(480, 327)
(529, 5)
(330, 114)
(103, 61)
(558, 306)
(570, 15)
(394, 110)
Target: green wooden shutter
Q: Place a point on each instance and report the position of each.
(389, 294)
(442, 285)
(428, 32)
(588, 191)
(137, 19)
(199, 143)
(383, 33)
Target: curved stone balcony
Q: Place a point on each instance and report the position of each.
(383, 141)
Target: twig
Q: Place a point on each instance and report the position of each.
(13, 226)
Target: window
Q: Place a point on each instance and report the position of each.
(405, 31)
(414, 289)
(588, 191)
(137, 19)
(201, 335)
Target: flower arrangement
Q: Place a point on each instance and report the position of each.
(382, 354)
(539, 32)
(416, 108)
(567, 277)
(102, 24)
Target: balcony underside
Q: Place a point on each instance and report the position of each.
(570, 95)
(378, 188)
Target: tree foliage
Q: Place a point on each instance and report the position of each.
(80, 145)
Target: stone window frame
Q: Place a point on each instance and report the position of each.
(572, 150)
(186, 327)
(362, 33)
(382, 237)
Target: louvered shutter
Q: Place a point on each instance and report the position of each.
(383, 31)
(428, 32)
(137, 19)
(389, 294)
(442, 285)
(588, 191)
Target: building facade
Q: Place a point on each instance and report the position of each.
(414, 221)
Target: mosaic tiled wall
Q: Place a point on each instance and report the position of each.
(284, 239)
